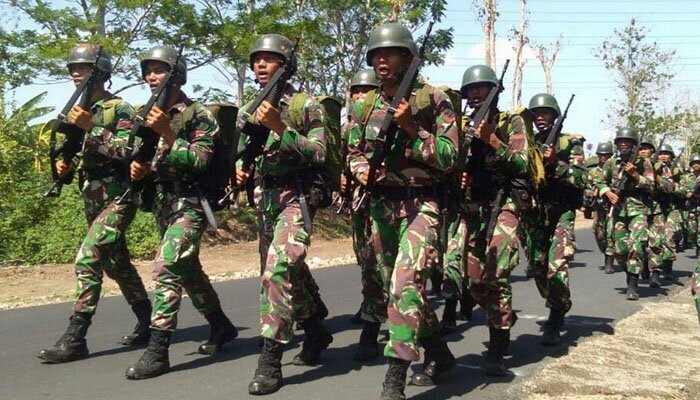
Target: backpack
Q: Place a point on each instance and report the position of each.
(215, 181)
(333, 167)
(535, 166)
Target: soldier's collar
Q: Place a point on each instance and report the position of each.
(182, 102)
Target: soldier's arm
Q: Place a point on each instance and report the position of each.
(515, 153)
(437, 150)
(571, 172)
(665, 182)
(604, 179)
(646, 178)
(309, 146)
(109, 142)
(357, 160)
(195, 153)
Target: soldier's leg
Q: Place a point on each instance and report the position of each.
(658, 247)
(540, 238)
(453, 284)
(600, 231)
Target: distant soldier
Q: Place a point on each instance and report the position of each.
(676, 193)
(184, 152)
(291, 153)
(689, 185)
(659, 203)
(107, 123)
(404, 206)
(497, 178)
(630, 205)
(552, 234)
(601, 205)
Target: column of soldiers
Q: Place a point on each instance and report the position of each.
(507, 185)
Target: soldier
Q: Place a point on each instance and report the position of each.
(676, 202)
(107, 123)
(497, 177)
(601, 205)
(688, 183)
(630, 205)
(185, 149)
(361, 83)
(286, 292)
(551, 237)
(656, 221)
(404, 206)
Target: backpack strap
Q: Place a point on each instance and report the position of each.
(109, 108)
(296, 110)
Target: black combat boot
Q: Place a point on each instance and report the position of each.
(645, 274)
(438, 359)
(155, 361)
(609, 264)
(494, 364)
(552, 328)
(466, 305)
(321, 309)
(632, 284)
(655, 281)
(142, 330)
(317, 339)
(221, 331)
(667, 268)
(368, 349)
(72, 345)
(395, 380)
(448, 323)
(268, 375)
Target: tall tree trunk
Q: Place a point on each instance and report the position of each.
(244, 68)
(521, 42)
(547, 54)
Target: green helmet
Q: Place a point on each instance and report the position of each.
(604, 148)
(87, 54)
(544, 100)
(626, 133)
(365, 77)
(666, 148)
(391, 34)
(477, 74)
(695, 159)
(273, 43)
(167, 55)
(649, 143)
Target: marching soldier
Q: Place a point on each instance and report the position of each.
(658, 209)
(107, 123)
(688, 183)
(187, 131)
(601, 227)
(404, 206)
(676, 200)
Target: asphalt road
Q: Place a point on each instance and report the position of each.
(598, 303)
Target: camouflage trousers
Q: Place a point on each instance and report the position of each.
(455, 258)
(181, 223)
(668, 245)
(601, 231)
(374, 298)
(552, 246)
(104, 249)
(489, 265)
(631, 238)
(675, 222)
(658, 245)
(695, 288)
(286, 293)
(405, 242)
(691, 227)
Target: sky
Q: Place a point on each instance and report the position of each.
(583, 25)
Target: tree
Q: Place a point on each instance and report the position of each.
(486, 16)
(520, 41)
(641, 71)
(547, 55)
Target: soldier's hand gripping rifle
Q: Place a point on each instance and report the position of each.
(388, 128)
(553, 137)
(257, 134)
(71, 148)
(149, 139)
(622, 182)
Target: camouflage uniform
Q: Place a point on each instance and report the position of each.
(662, 225)
(285, 294)
(179, 214)
(601, 226)
(675, 218)
(104, 248)
(552, 240)
(405, 216)
(690, 211)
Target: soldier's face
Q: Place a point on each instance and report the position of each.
(645, 151)
(665, 157)
(388, 62)
(265, 64)
(602, 158)
(358, 91)
(624, 145)
(154, 73)
(79, 71)
(478, 92)
(544, 118)
(695, 166)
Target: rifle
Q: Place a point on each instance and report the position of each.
(72, 147)
(558, 125)
(258, 134)
(388, 128)
(661, 143)
(346, 196)
(150, 139)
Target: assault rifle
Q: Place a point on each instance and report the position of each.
(149, 139)
(71, 148)
(388, 128)
(554, 133)
(258, 134)
(346, 195)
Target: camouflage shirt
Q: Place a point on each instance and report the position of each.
(635, 197)
(664, 188)
(193, 149)
(298, 147)
(567, 178)
(594, 176)
(421, 161)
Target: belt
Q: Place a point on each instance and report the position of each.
(398, 193)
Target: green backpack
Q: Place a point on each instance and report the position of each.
(333, 167)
